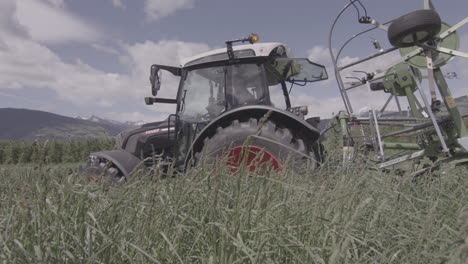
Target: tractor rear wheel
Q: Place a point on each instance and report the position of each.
(274, 148)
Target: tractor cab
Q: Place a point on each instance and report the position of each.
(221, 80)
(213, 88)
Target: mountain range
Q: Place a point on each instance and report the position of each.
(25, 124)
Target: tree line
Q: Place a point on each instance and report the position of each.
(51, 151)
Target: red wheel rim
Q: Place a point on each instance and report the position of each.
(257, 158)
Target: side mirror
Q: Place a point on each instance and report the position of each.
(155, 80)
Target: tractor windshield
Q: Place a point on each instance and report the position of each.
(208, 92)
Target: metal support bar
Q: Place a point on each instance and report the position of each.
(386, 103)
(379, 140)
(377, 24)
(398, 104)
(348, 142)
(176, 131)
(401, 159)
(428, 5)
(453, 28)
(452, 52)
(419, 105)
(450, 104)
(344, 95)
(412, 101)
(430, 75)
(409, 131)
(429, 112)
(369, 58)
(391, 124)
(424, 46)
(361, 119)
(372, 130)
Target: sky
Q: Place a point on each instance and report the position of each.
(84, 57)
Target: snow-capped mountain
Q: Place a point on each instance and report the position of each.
(101, 120)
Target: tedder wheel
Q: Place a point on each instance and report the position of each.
(417, 26)
(275, 148)
(101, 170)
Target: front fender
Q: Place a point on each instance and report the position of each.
(299, 127)
(122, 159)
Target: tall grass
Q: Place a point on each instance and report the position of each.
(339, 215)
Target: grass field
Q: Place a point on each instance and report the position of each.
(339, 215)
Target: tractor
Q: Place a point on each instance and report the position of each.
(232, 105)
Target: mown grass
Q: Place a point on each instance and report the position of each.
(342, 214)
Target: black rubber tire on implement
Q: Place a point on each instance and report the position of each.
(417, 26)
(101, 170)
(236, 134)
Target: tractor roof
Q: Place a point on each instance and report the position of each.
(257, 49)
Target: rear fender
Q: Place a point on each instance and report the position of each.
(123, 160)
(299, 127)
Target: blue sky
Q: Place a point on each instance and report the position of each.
(83, 57)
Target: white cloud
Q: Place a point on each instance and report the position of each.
(168, 52)
(156, 9)
(24, 63)
(48, 22)
(27, 64)
(140, 56)
(321, 55)
(57, 3)
(118, 4)
(105, 49)
(9, 23)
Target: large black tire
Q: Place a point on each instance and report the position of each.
(101, 170)
(235, 135)
(417, 26)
